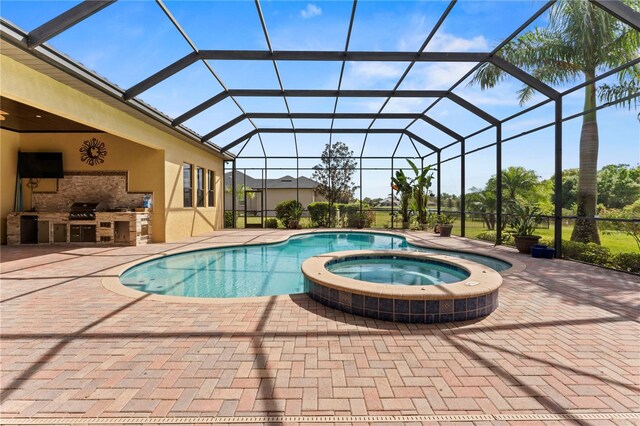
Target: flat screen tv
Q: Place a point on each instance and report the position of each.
(40, 165)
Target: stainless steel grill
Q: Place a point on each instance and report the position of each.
(83, 211)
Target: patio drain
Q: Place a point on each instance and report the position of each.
(320, 419)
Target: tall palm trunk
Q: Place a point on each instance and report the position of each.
(586, 229)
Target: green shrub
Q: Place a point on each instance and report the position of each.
(319, 213)
(487, 236)
(271, 222)
(628, 262)
(228, 219)
(490, 236)
(352, 217)
(286, 210)
(589, 253)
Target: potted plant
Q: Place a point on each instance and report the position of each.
(421, 184)
(445, 224)
(400, 183)
(522, 225)
(295, 213)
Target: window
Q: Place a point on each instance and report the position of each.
(210, 188)
(187, 184)
(199, 187)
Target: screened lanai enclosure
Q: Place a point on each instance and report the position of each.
(451, 85)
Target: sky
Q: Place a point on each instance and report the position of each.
(130, 40)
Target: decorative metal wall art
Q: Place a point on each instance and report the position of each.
(93, 152)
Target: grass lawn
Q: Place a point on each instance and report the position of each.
(616, 242)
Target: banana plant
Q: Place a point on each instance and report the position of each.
(401, 184)
(420, 188)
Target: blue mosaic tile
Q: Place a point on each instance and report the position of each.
(418, 307)
(460, 316)
(371, 314)
(433, 306)
(482, 301)
(401, 317)
(344, 298)
(371, 303)
(333, 294)
(324, 292)
(431, 319)
(345, 308)
(357, 310)
(460, 305)
(472, 304)
(386, 305)
(446, 318)
(416, 319)
(385, 316)
(401, 306)
(357, 300)
(446, 306)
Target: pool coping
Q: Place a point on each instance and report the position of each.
(112, 281)
(481, 280)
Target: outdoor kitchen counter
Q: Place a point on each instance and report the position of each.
(121, 228)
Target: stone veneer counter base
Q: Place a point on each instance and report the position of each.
(474, 297)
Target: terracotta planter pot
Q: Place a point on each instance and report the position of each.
(525, 242)
(294, 224)
(445, 230)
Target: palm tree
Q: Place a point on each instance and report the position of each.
(517, 181)
(580, 40)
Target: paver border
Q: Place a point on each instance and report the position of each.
(391, 418)
(112, 281)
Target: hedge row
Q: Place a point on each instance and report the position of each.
(350, 216)
(588, 253)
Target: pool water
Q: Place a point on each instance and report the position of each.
(398, 271)
(261, 270)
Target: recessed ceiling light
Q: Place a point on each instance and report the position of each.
(38, 116)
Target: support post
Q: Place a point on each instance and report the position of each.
(438, 185)
(557, 198)
(462, 187)
(265, 211)
(393, 217)
(360, 164)
(233, 192)
(499, 184)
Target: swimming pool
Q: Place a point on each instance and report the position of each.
(263, 269)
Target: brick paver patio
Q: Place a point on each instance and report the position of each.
(564, 340)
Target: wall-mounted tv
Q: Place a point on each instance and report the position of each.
(40, 165)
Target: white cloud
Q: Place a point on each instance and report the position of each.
(444, 42)
(368, 75)
(435, 76)
(310, 11)
(376, 70)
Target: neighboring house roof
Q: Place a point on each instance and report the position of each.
(387, 201)
(284, 182)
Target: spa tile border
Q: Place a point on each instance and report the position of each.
(474, 297)
(403, 310)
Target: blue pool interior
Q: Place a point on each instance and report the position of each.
(264, 269)
(398, 270)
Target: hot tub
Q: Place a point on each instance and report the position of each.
(402, 286)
